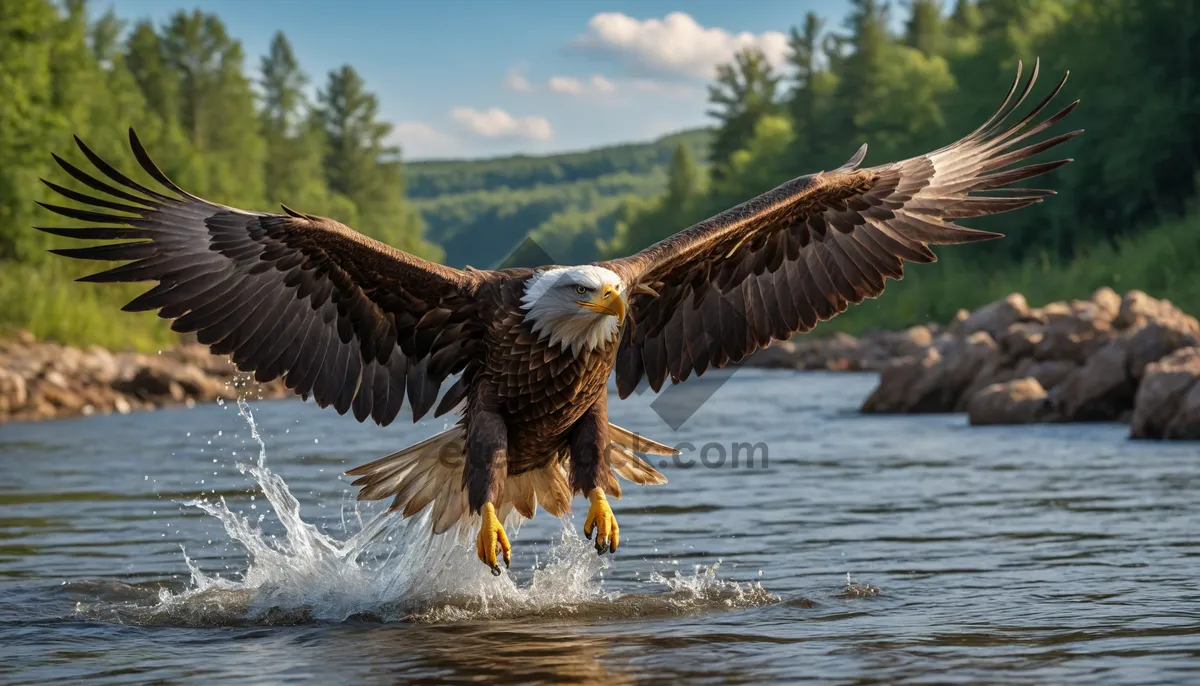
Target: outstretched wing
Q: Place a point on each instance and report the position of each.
(801, 253)
(344, 318)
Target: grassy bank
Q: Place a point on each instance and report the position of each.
(46, 300)
(1161, 261)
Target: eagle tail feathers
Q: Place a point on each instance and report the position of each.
(428, 475)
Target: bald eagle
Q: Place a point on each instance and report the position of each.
(359, 325)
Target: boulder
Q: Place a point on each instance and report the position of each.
(1185, 425)
(1108, 303)
(1020, 401)
(1137, 309)
(1161, 393)
(778, 355)
(100, 365)
(1021, 339)
(996, 317)
(1160, 336)
(13, 391)
(1069, 331)
(883, 346)
(933, 381)
(1049, 373)
(1100, 390)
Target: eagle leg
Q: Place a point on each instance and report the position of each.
(483, 478)
(591, 474)
(600, 519)
(491, 536)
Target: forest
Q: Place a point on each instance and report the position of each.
(246, 135)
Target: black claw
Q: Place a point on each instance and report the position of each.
(495, 570)
(587, 534)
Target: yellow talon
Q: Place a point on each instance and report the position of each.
(600, 518)
(491, 534)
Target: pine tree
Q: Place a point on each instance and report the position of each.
(924, 29)
(283, 87)
(683, 178)
(802, 101)
(744, 93)
(361, 167)
(295, 142)
(216, 108)
(965, 20)
(860, 74)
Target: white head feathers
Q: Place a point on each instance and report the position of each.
(551, 306)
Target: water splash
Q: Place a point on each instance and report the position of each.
(396, 570)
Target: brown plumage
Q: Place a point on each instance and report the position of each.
(359, 325)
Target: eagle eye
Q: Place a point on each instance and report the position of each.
(581, 290)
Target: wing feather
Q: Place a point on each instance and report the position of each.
(803, 252)
(339, 316)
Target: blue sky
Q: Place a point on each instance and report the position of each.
(469, 78)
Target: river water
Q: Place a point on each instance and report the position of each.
(174, 547)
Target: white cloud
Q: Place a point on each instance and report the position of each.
(677, 43)
(419, 139)
(602, 84)
(417, 132)
(496, 123)
(597, 84)
(668, 88)
(516, 81)
(565, 85)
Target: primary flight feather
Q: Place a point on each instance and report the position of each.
(361, 326)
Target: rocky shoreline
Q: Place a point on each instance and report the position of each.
(1128, 358)
(44, 380)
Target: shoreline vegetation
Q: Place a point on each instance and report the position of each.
(1132, 358)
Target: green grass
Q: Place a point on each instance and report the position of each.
(1163, 261)
(46, 300)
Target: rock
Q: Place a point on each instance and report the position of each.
(996, 317)
(956, 323)
(13, 391)
(152, 381)
(100, 364)
(200, 386)
(122, 405)
(1108, 303)
(1100, 390)
(1020, 401)
(995, 369)
(55, 379)
(1137, 308)
(1160, 336)
(1185, 426)
(1049, 373)
(933, 381)
(1021, 339)
(1072, 331)
(778, 355)
(1161, 393)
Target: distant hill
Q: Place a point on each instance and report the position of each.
(481, 210)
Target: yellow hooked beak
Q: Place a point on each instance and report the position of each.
(605, 301)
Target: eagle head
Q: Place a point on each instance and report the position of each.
(577, 307)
